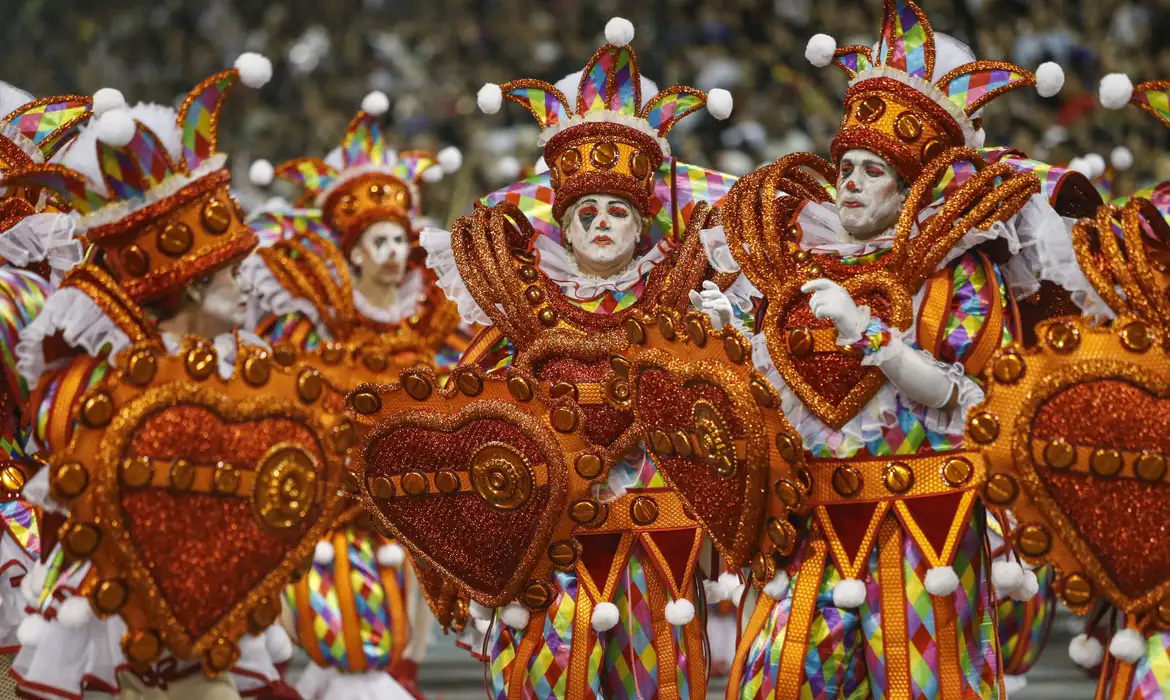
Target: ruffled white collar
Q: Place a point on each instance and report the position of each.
(405, 303)
(821, 232)
(555, 262)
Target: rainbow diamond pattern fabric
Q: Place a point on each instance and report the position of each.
(47, 123)
(672, 107)
(970, 91)
(196, 120)
(905, 41)
(1154, 98)
(20, 520)
(136, 168)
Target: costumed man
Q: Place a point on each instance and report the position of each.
(36, 247)
(883, 309)
(345, 283)
(142, 386)
(556, 265)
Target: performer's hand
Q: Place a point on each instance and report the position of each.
(714, 303)
(831, 301)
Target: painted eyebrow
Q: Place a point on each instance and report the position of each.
(589, 200)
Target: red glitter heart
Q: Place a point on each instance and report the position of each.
(602, 424)
(207, 552)
(1124, 522)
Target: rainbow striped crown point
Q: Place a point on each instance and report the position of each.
(150, 185)
(1117, 90)
(609, 136)
(902, 105)
(367, 180)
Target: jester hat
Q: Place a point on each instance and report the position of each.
(366, 181)
(149, 188)
(896, 106)
(609, 140)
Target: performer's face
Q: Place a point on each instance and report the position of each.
(382, 251)
(603, 232)
(869, 194)
(223, 300)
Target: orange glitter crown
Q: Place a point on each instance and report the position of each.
(897, 108)
(161, 215)
(371, 183)
(613, 142)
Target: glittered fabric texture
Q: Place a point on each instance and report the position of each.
(492, 540)
(602, 423)
(204, 551)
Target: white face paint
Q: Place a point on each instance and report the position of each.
(382, 252)
(222, 300)
(603, 232)
(869, 194)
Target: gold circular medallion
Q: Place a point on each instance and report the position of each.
(182, 475)
(537, 595)
(898, 477)
(142, 367)
(569, 161)
(1063, 337)
(222, 655)
(175, 239)
(1008, 367)
(82, 540)
(870, 109)
(501, 476)
(640, 165)
(787, 492)
(715, 439)
(332, 353)
(71, 479)
(789, 446)
(534, 295)
(226, 478)
(1034, 540)
(286, 486)
(681, 442)
(620, 365)
(957, 471)
(643, 510)
(417, 387)
(97, 410)
(733, 348)
(635, 331)
(310, 385)
(528, 273)
(583, 511)
(933, 149)
(1077, 589)
(604, 155)
(564, 419)
(520, 389)
(375, 361)
(588, 466)
(383, 488)
(1106, 463)
(447, 481)
(284, 354)
(800, 342)
(200, 362)
(135, 261)
(1058, 454)
(761, 393)
(562, 554)
(469, 384)
(908, 127)
(137, 471)
(696, 332)
(366, 402)
(414, 484)
(1150, 466)
(846, 481)
(109, 597)
(12, 479)
(1136, 337)
(547, 317)
(984, 427)
(563, 389)
(216, 217)
(143, 646)
(660, 442)
(257, 370)
(666, 326)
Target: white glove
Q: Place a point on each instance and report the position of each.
(831, 301)
(714, 303)
(918, 376)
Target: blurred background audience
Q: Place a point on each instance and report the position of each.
(431, 56)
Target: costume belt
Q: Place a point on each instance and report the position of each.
(894, 478)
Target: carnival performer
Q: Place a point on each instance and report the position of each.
(36, 247)
(150, 193)
(883, 309)
(345, 281)
(555, 265)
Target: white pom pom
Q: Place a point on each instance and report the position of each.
(619, 31)
(432, 175)
(820, 49)
(450, 159)
(1049, 79)
(848, 593)
(1086, 651)
(1121, 158)
(714, 592)
(1115, 90)
(31, 630)
(680, 612)
(261, 173)
(115, 128)
(1128, 645)
(719, 103)
(1028, 588)
(1079, 165)
(979, 139)
(323, 553)
(1006, 575)
(392, 555)
(489, 98)
(75, 612)
(729, 580)
(777, 588)
(541, 166)
(480, 612)
(515, 616)
(376, 103)
(278, 645)
(1096, 165)
(107, 99)
(508, 168)
(941, 581)
(255, 70)
(605, 617)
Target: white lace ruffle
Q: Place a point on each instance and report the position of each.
(37, 491)
(43, 237)
(266, 296)
(1050, 255)
(441, 259)
(556, 262)
(718, 251)
(405, 303)
(15, 562)
(79, 320)
(318, 683)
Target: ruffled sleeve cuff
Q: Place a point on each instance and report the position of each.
(81, 323)
(441, 259)
(267, 297)
(43, 238)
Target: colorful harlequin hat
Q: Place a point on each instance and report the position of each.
(33, 131)
(1116, 91)
(609, 140)
(898, 107)
(368, 181)
(149, 188)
